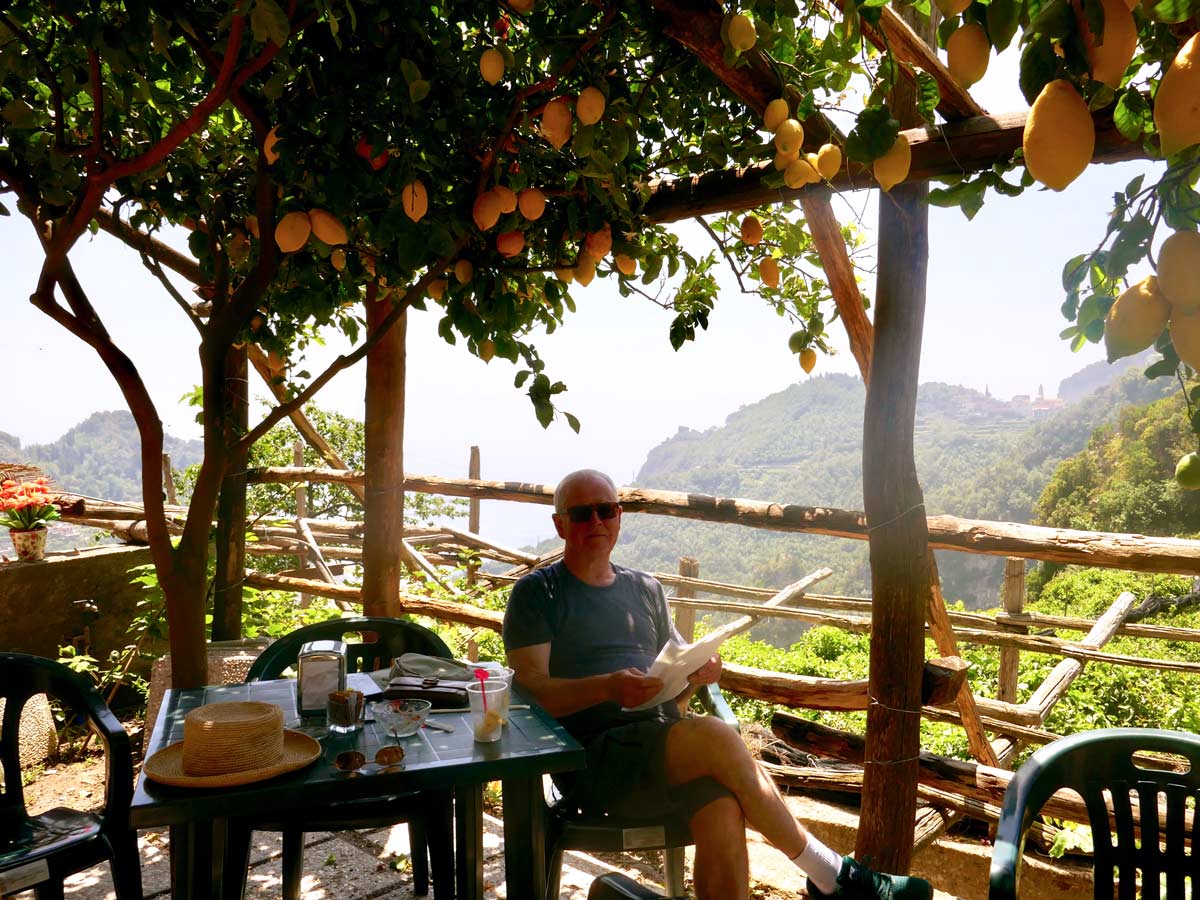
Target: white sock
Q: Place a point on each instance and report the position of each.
(820, 864)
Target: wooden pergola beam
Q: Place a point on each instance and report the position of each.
(959, 148)
(1143, 553)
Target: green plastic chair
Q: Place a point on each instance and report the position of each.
(1092, 763)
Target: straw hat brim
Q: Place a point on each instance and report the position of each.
(166, 766)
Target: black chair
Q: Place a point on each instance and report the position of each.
(429, 814)
(58, 843)
(1163, 842)
(570, 829)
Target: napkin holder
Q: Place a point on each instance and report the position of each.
(320, 670)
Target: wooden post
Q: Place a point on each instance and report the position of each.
(301, 494)
(685, 619)
(168, 480)
(473, 472)
(231, 505)
(898, 534)
(383, 516)
(1014, 603)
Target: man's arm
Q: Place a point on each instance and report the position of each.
(709, 673)
(563, 696)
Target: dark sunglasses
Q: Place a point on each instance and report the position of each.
(583, 513)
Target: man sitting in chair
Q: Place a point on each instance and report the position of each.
(580, 635)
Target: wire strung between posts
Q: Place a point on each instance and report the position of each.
(896, 518)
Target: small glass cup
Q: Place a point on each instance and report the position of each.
(401, 718)
(505, 675)
(345, 711)
(486, 723)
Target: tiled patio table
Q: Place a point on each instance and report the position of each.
(532, 744)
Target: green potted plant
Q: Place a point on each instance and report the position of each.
(25, 508)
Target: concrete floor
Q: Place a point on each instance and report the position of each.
(373, 864)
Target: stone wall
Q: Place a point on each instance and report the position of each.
(82, 596)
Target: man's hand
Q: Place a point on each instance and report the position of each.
(709, 673)
(632, 687)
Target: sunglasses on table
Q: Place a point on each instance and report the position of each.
(583, 512)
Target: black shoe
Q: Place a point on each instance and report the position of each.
(856, 882)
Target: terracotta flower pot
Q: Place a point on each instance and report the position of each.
(30, 545)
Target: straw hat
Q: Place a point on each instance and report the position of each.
(227, 744)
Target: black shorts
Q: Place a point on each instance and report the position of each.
(626, 776)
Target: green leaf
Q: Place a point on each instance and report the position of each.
(19, 114)
(1161, 367)
(269, 22)
(1132, 116)
(946, 28)
(1074, 272)
(1003, 17)
(1039, 66)
(1055, 19)
(572, 421)
(4, 210)
(967, 195)
(873, 134)
(928, 96)
(418, 90)
(522, 377)
(1174, 11)
(409, 70)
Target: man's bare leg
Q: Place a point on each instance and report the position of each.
(722, 869)
(707, 747)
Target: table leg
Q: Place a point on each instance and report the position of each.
(468, 837)
(197, 860)
(524, 837)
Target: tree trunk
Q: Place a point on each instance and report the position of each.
(231, 506)
(383, 515)
(898, 535)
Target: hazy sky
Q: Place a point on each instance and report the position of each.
(992, 320)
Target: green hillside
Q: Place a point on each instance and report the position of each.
(977, 457)
(99, 457)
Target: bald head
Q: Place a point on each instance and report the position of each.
(579, 477)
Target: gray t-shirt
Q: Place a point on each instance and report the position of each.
(592, 631)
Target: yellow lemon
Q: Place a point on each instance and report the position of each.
(556, 122)
(789, 136)
(742, 35)
(777, 111)
(487, 349)
(1179, 270)
(801, 172)
(1185, 335)
(626, 264)
(1177, 103)
(532, 203)
(598, 244)
(808, 359)
(337, 259)
(951, 8)
(585, 269)
(510, 243)
(967, 51)
(589, 108)
(565, 274)
(1110, 57)
(415, 200)
(437, 288)
(508, 199)
(752, 230)
(783, 160)
(1135, 319)
(892, 168)
(292, 231)
(486, 210)
(464, 271)
(829, 160)
(326, 226)
(252, 225)
(768, 271)
(1187, 471)
(269, 143)
(1060, 137)
(491, 65)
